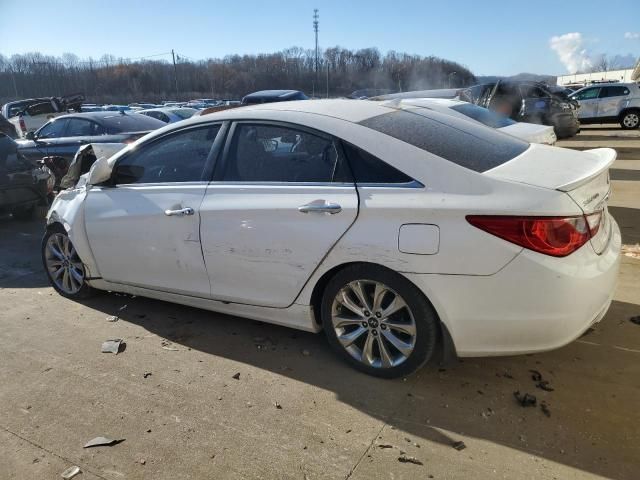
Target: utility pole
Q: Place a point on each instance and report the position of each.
(327, 79)
(315, 29)
(175, 72)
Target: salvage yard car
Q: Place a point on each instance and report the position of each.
(29, 115)
(392, 228)
(530, 102)
(610, 103)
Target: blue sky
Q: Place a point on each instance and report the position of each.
(489, 37)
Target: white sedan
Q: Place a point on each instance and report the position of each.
(529, 132)
(391, 228)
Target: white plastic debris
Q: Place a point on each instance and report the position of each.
(102, 442)
(70, 472)
(111, 346)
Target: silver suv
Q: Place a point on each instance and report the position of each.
(610, 103)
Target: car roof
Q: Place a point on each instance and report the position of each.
(272, 93)
(101, 115)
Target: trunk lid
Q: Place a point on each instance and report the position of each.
(584, 176)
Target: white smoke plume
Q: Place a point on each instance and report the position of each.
(632, 35)
(571, 52)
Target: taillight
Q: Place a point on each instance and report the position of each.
(23, 126)
(555, 236)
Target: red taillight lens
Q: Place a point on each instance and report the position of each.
(555, 236)
(23, 126)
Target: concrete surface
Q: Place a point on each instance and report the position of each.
(191, 419)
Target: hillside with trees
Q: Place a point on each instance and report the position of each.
(121, 80)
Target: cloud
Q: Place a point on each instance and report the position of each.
(632, 35)
(571, 52)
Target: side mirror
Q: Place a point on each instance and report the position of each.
(100, 171)
(31, 136)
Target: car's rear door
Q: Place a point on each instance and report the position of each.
(610, 100)
(145, 229)
(280, 201)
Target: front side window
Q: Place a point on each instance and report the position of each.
(53, 129)
(269, 153)
(178, 157)
(587, 94)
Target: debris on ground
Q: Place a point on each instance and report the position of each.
(632, 251)
(236, 376)
(113, 318)
(70, 472)
(459, 445)
(544, 385)
(102, 442)
(142, 461)
(385, 445)
(505, 375)
(123, 307)
(147, 374)
(407, 459)
(545, 408)
(277, 405)
(536, 376)
(166, 344)
(306, 353)
(635, 320)
(112, 346)
(526, 400)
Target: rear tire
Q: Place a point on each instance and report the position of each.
(64, 268)
(630, 119)
(378, 321)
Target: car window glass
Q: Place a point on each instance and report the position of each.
(613, 91)
(78, 127)
(266, 153)
(53, 129)
(178, 157)
(370, 169)
(587, 94)
(483, 115)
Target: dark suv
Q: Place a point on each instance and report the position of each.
(530, 102)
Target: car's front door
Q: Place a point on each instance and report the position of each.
(144, 228)
(280, 201)
(43, 138)
(611, 98)
(79, 132)
(588, 99)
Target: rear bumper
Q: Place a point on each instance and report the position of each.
(535, 303)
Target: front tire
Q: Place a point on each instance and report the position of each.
(378, 321)
(630, 120)
(64, 268)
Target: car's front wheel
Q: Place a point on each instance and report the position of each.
(64, 268)
(378, 321)
(630, 119)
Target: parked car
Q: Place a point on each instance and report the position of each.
(29, 115)
(530, 102)
(7, 127)
(610, 103)
(269, 96)
(169, 114)
(24, 186)
(529, 132)
(392, 229)
(62, 136)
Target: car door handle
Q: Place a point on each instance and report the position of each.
(179, 213)
(331, 208)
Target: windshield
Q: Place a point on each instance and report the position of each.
(484, 115)
(131, 122)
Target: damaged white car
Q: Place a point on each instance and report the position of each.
(393, 228)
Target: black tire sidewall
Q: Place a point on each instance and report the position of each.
(635, 112)
(427, 323)
(85, 291)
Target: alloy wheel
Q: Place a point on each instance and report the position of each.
(373, 324)
(63, 264)
(631, 120)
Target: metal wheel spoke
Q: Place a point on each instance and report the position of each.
(340, 321)
(358, 290)
(408, 328)
(367, 350)
(396, 305)
(385, 356)
(66, 281)
(57, 273)
(347, 339)
(378, 296)
(76, 275)
(55, 251)
(344, 299)
(404, 348)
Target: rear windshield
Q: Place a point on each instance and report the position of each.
(483, 115)
(469, 145)
(184, 112)
(131, 122)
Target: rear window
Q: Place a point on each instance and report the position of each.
(131, 122)
(464, 143)
(484, 115)
(184, 112)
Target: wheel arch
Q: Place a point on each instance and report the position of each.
(445, 340)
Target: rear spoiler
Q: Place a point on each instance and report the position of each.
(605, 156)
